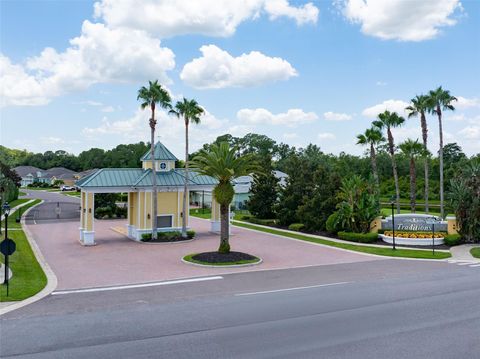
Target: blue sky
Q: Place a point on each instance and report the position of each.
(300, 72)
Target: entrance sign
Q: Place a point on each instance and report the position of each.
(414, 223)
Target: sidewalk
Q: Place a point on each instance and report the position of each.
(12, 210)
(462, 253)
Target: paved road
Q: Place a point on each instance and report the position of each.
(378, 309)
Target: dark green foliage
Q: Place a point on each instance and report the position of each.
(453, 239)
(358, 237)
(299, 227)
(331, 223)
(465, 199)
(359, 205)
(317, 207)
(263, 222)
(190, 234)
(172, 236)
(264, 192)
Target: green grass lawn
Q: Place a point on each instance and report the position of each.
(18, 201)
(475, 252)
(387, 251)
(21, 194)
(71, 193)
(198, 212)
(28, 277)
(11, 218)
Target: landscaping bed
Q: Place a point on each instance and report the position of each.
(475, 252)
(168, 237)
(221, 259)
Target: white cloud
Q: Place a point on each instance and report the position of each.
(307, 13)
(400, 19)
(470, 133)
(397, 106)
(333, 116)
(326, 136)
(50, 140)
(218, 69)
(98, 55)
(261, 116)
(381, 83)
(18, 88)
(463, 102)
(167, 18)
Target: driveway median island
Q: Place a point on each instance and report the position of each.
(222, 259)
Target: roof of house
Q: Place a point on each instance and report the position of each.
(160, 153)
(57, 171)
(243, 184)
(23, 171)
(133, 177)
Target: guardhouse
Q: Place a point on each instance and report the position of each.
(137, 183)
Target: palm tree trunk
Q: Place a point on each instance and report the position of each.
(423, 123)
(374, 166)
(224, 229)
(440, 155)
(154, 172)
(391, 146)
(185, 188)
(412, 184)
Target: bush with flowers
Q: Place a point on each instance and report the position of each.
(421, 235)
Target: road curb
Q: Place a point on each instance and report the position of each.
(51, 277)
(224, 266)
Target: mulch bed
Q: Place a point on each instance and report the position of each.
(215, 257)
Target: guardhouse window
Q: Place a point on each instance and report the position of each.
(164, 221)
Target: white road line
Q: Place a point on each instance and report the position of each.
(464, 263)
(130, 286)
(475, 265)
(290, 289)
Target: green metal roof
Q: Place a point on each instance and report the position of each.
(160, 153)
(136, 177)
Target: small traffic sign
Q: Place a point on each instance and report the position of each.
(8, 247)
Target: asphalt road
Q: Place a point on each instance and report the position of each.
(375, 309)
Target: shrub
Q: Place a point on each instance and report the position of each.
(453, 239)
(296, 227)
(245, 217)
(102, 212)
(146, 237)
(191, 233)
(331, 224)
(358, 237)
(121, 212)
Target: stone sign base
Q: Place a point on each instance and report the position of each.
(412, 241)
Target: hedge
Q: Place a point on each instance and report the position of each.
(452, 239)
(358, 237)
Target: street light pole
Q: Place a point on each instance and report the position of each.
(393, 224)
(6, 210)
(433, 235)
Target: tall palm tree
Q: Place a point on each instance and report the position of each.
(419, 107)
(190, 112)
(388, 120)
(440, 100)
(372, 137)
(222, 163)
(151, 96)
(412, 149)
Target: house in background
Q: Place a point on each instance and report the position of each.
(30, 175)
(242, 188)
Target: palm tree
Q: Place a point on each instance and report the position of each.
(149, 97)
(373, 137)
(387, 120)
(419, 106)
(222, 163)
(412, 149)
(440, 100)
(190, 112)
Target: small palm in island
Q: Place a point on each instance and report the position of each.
(224, 164)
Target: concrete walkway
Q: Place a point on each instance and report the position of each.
(462, 253)
(12, 210)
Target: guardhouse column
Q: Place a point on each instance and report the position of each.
(89, 230)
(215, 217)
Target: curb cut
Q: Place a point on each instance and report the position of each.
(51, 277)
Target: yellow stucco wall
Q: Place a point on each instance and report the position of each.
(376, 225)
(82, 209)
(452, 227)
(215, 210)
(169, 203)
(89, 211)
(148, 164)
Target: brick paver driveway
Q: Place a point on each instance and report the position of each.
(118, 260)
